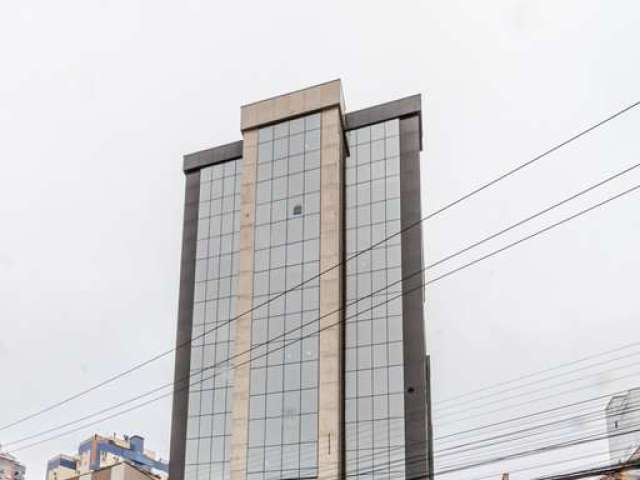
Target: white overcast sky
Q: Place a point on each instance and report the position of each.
(99, 100)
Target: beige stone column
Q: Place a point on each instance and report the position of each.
(327, 99)
(331, 325)
(240, 409)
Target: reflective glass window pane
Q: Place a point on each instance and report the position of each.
(308, 428)
(281, 130)
(312, 140)
(273, 434)
(280, 148)
(308, 401)
(312, 160)
(265, 152)
(296, 144)
(286, 252)
(274, 405)
(296, 125)
(312, 122)
(280, 168)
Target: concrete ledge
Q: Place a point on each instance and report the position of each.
(294, 104)
(403, 107)
(211, 156)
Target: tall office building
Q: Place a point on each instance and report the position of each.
(300, 342)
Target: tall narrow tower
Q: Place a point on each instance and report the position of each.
(300, 344)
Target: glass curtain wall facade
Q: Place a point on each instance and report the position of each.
(283, 402)
(208, 446)
(342, 396)
(374, 383)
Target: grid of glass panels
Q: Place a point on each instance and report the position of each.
(283, 403)
(374, 375)
(208, 449)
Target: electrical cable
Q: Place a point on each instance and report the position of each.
(546, 379)
(419, 460)
(516, 446)
(474, 262)
(598, 415)
(541, 389)
(533, 415)
(427, 217)
(539, 450)
(606, 469)
(547, 397)
(522, 454)
(542, 465)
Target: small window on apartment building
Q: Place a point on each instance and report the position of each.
(297, 210)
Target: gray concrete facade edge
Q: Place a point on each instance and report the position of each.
(414, 345)
(399, 108)
(185, 320)
(211, 156)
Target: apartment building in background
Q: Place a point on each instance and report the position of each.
(623, 415)
(301, 336)
(123, 470)
(98, 452)
(62, 467)
(11, 468)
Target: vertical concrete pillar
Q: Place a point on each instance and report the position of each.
(413, 334)
(331, 313)
(240, 409)
(328, 100)
(185, 323)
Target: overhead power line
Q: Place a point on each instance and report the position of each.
(532, 415)
(536, 373)
(532, 419)
(544, 388)
(528, 440)
(413, 225)
(539, 450)
(488, 455)
(471, 404)
(597, 415)
(426, 283)
(500, 458)
(367, 465)
(154, 390)
(497, 475)
(535, 234)
(543, 465)
(528, 402)
(384, 467)
(592, 472)
(535, 215)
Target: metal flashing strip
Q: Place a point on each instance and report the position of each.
(211, 156)
(400, 108)
(414, 345)
(185, 320)
(299, 90)
(293, 104)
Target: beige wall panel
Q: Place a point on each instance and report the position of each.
(292, 104)
(240, 414)
(331, 238)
